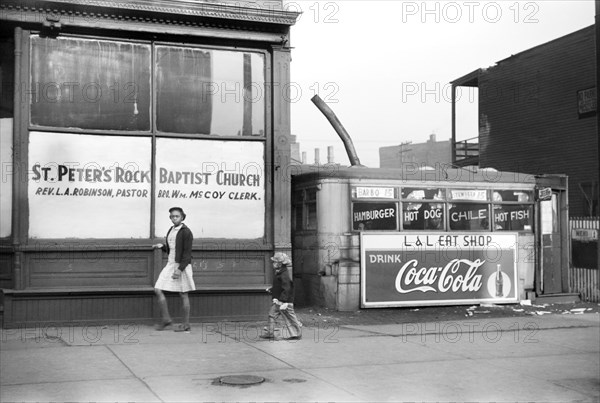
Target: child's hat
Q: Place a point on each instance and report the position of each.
(282, 258)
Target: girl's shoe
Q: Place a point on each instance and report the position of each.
(183, 328)
(164, 325)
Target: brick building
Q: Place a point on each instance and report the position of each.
(430, 153)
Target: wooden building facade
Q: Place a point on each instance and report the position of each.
(537, 115)
(113, 112)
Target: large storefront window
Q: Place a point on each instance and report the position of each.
(85, 186)
(220, 184)
(210, 91)
(97, 183)
(90, 84)
(106, 85)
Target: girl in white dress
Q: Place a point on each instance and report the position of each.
(177, 275)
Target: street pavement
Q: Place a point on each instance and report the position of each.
(549, 358)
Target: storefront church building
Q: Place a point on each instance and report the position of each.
(113, 112)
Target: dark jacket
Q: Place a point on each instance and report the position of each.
(283, 286)
(183, 246)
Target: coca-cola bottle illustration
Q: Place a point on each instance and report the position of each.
(499, 281)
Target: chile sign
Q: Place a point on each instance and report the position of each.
(437, 269)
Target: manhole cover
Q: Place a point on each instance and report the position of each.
(241, 379)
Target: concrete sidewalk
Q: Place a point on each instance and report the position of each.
(549, 358)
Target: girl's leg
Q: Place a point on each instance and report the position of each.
(164, 309)
(185, 299)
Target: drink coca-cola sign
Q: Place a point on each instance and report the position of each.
(436, 269)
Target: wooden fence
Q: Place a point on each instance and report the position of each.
(583, 270)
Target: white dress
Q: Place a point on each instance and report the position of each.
(185, 282)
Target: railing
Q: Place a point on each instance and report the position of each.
(466, 152)
(583, 270)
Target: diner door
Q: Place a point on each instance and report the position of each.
(551, 248)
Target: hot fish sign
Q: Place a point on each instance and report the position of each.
(437, 269)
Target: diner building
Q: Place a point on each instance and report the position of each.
(111, 113)
(368, 237)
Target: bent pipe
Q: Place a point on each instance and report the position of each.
(337, 125)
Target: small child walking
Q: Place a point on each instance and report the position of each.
(283, 299)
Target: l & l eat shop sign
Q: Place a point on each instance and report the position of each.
(437, 269)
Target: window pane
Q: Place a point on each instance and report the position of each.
(469, 216)
(7, 76)
(203, 91)
(298, 196)
(423, 193)
(298, 217)
(371, 192)
(89, 186)
(374, 216)
(521, 196)
(417, 216)
(513, 217)
(312, 216)
(7, 79)
(90, 84)
(468, 194)
(219, 184)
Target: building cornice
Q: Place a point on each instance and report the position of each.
(165, 16)
(240, 11)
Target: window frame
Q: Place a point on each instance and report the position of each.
(153, 131)
(446, 202)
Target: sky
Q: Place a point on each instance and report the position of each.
(384, 67)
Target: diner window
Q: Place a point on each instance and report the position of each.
(297, 206)
(423, 209)
(374, 216)
(90, 84)
(311, 209)
(517, 217)
(469, 216)
(511, 213)
(305, 210)
(207, 91)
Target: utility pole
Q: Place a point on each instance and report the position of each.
(597, 19)
(403, 150)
